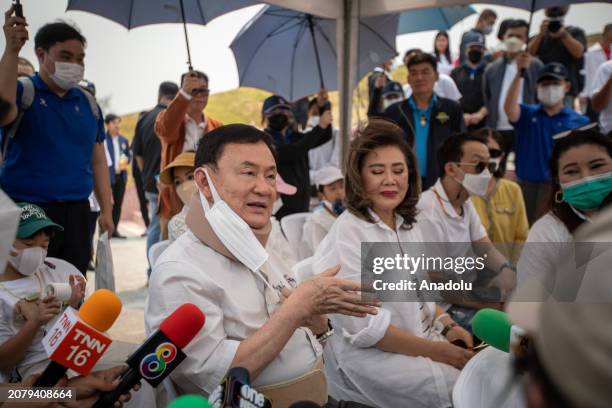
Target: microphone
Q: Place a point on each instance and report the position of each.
(190, 401)
(77, 340)
(494, 327)
(160, 354)
(235, 391)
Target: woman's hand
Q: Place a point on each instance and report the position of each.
(444, 352)
(324, 294)
(77, 284)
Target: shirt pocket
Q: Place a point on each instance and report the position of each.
(508, 209)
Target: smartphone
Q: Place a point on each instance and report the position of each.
(18, 8)
(554, 25)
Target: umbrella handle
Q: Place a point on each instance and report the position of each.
(186, 36)
(316, 49)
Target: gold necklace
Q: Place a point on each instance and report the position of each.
(32, 296)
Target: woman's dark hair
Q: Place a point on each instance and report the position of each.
(576, 138)
(530, 363)
(211, 145)
(380, 133)
(447, 53)
(499, 139)
(57, 32)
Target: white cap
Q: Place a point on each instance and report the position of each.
(327, 175)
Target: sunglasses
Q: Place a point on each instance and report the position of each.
(200, 91)
(495, 153)
(480, 166)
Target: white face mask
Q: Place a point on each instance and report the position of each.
(477, 184)
(233, 231)
(389, 102)
(551, 95)
(313, 121)
(186, 190)
(28, 260)
(513, 45)
(67, 74)
(488, 29)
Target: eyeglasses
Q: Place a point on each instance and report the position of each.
(200, 91)
(495, 153)
(480, 166)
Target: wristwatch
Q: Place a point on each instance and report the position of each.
(506, 265)
(324, 336)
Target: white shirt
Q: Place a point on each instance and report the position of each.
(605, 116)
(117, 153)
(378, 378)
(315, 229)
(328, 154)
(236, 304)
(444, 65)
(278, 244)
(193, 133)
(12, 291)
(502, 119)
(444, 87)
(435, 206)
(593, 59)
(543, 248)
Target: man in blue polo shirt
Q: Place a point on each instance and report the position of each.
(535, 125)
(56, 156)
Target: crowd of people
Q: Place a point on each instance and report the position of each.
(484, 154)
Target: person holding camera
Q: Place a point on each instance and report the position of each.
(557, 42)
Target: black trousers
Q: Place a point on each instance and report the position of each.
(118, 193)
(73, 244)
(142, 200)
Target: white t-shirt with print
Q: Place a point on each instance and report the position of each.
(12, 291)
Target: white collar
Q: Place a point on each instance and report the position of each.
(441, 197)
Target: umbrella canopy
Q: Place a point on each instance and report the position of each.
(292, 54)
(136, 13)
(440, 18)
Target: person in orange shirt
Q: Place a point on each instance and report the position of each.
(180, 128)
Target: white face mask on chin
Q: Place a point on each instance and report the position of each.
(67, 74)
(551, 94)
(28, 260)
(233, 231)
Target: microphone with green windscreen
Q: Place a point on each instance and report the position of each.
(493, 327)
(190, 401)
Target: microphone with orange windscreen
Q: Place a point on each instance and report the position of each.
(77, 340)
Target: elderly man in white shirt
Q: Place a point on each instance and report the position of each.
(257, 317)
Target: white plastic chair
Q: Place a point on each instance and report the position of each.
(292, 226)
(303, 269)
(156, 250)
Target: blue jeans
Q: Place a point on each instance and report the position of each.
(153, 231)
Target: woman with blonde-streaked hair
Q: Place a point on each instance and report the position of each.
(402, 356)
